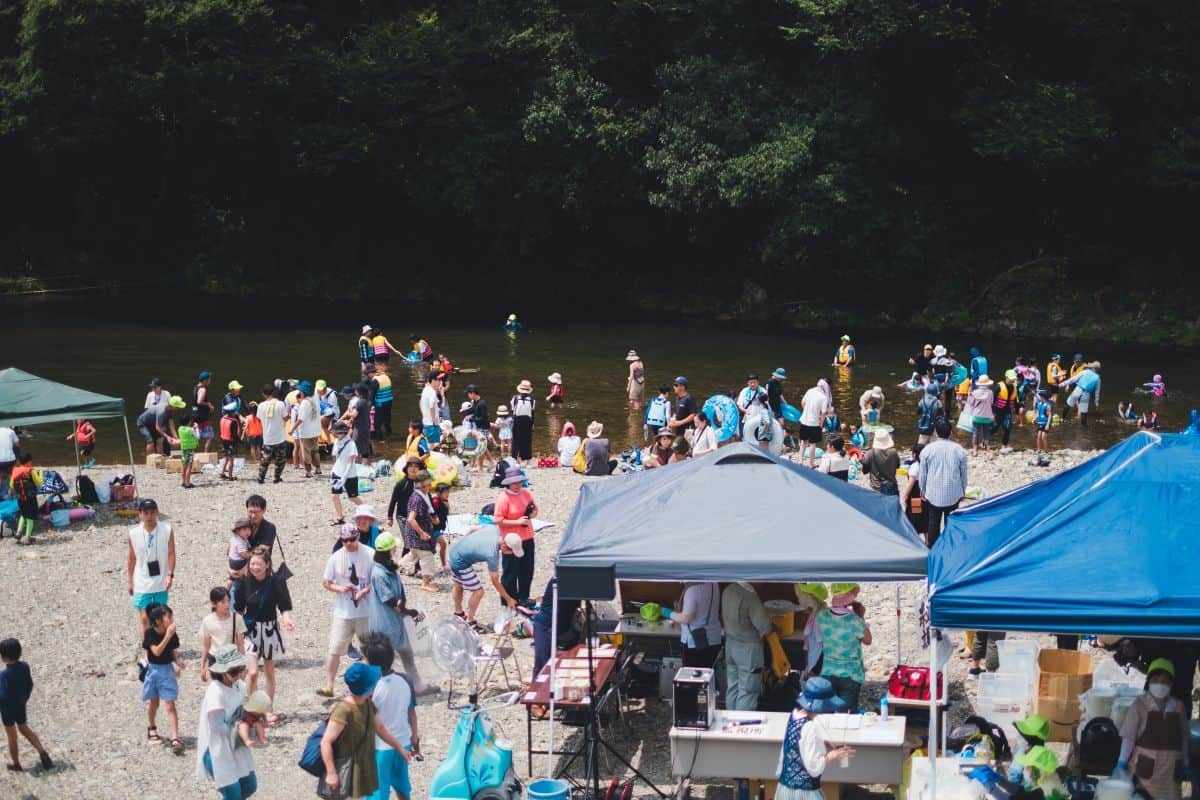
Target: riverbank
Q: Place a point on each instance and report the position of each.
(69, 608)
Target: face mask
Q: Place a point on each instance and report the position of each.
(1159, 691)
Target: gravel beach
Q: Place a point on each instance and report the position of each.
(65, 599)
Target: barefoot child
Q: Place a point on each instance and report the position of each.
(85, 440)
(441, 513)
(503, 428)
(160, 685)
(254, 718)
(16, 685)
(254, 433)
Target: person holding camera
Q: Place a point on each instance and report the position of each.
(150, 564)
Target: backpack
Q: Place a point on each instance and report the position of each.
(86, 490)
(928, 408)
(658, 412)
(522, 405)
(1099, 745)
(25, 489)
(502, 467)
(52, 483)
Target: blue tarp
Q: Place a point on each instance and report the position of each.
(1108, 547)
(740, 514)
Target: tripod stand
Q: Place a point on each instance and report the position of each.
(592, 740)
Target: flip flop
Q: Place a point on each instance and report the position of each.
(152, 734)
(430, 589)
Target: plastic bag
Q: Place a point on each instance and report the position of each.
(503, 618)
(419, 636)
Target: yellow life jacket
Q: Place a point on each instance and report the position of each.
(411, 449)
(1054, 373)
(1077, 368)
(844, 354)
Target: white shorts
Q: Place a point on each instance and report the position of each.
(426, 558)
(343, 630)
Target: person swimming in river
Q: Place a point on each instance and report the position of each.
(1155, 386)
(1125, 412)
(511, 325)
(845, 355)
(421, 347)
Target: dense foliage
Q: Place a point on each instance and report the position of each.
(641, 147)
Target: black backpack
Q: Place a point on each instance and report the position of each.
(1099, 745)
(502, 467)
(86, 490)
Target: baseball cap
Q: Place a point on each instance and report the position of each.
(155, 383)
(680, 381)
(514, 543)
(471, 388)
(147, 504)
(205, 375)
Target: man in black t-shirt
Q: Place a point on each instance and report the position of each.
(922, 364)
(685, 408)
(262, 532)
(478, 414)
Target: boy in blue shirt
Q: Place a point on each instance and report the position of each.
(16, 685)
(1045, 415)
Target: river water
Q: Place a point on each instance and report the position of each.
(119, 359)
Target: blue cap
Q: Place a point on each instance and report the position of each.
(361, 678)
(780, 374)
(306, 387)
(205, 375)
(681, 381)
(1056, 357)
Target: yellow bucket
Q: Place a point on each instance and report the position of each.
(782, 614)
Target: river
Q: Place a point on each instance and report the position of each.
(119, 359)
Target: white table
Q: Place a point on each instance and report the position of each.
(633, 627)
(730, 750)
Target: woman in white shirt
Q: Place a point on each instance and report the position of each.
(805, 753)
(834, 462)
(704, 440)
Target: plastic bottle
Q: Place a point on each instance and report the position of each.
(853, 469)
(883, 708)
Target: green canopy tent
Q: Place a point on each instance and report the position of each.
(26, 399)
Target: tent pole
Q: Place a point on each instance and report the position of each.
(78, 468)
(553, 670)
(898, 661)
(933, 714)
(129, 446)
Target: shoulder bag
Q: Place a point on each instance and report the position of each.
(345, 765)
(283, 571)
(579, 462)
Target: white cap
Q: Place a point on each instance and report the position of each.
(366, 328)
(514, 543)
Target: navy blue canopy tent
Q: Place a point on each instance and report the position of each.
(1108, 547)
(740, 514)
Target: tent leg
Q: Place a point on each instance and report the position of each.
(898, 661)
(553, 670)
(129, 446)
(78, 468)
(933, 714)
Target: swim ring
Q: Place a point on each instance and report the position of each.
(791, 413)
(722, 412)
(754, 424)
(442, 467)
(412, 357)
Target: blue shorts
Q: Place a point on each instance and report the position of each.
(393, 774)
(141, 601)
(432, 433)
(160, 683)
(13, 714)
(205, 430)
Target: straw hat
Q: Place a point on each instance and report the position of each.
(595, 430)
(554, 377)
(502, 411)
(524, 387)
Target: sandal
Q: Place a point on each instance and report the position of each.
(475, 626)
(177, 747)
(461, 615)
(338, 521)
(152, 734)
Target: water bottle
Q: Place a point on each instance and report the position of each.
(853, 469)
(883, 708)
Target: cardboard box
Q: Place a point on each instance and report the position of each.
(1063, 675)
(200, 459)
(1063, 716)
(173, 465)
(155, 460)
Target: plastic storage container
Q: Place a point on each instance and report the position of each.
(1020, 656)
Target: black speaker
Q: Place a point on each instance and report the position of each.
(587, 583)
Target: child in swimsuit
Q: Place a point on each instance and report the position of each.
(1156, 386)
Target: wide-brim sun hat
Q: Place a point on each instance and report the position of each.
(502, 411)
(632, 356)
(257, 703)
(524, 387)
(306, 388)
(939, 351)
(554, 377)
(819, 698)
(818, 590)
(780, 374)
(514, 542)
(984, 380)
(227, 657)
(595, 430)
(877, 391)
(512, 475)
(361, 678)
(176, 402)
(365, 511)
(670, 434)
(882, 440)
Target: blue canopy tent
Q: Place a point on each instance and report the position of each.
(1108, 547)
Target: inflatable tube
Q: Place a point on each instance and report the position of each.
(876, 428)
(722, 412)
(754, 424)
(442, 467)
(791, 413)
(412, 358)
(959, 375)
